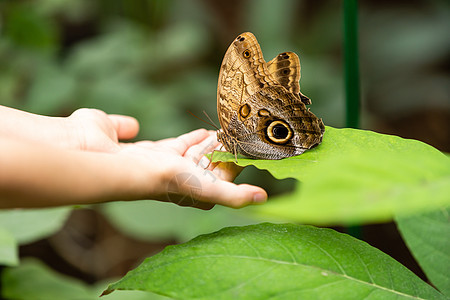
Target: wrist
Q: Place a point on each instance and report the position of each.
(21, 125)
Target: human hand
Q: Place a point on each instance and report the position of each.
(176, 170)
(188, 178)
(169, 170)
(94, 130)
(178, 165)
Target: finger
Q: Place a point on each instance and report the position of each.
(195, 184)
(182, 143)
(229, 194)
(210, 188)
(226, 170)
(203, 205)
(181, 200)
(197, 151)
(145, 144)
(126, 127)
(165, 141)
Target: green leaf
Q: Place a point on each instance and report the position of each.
(275, 261)
(427, 236)
(357, 176)
(128, 295)
(34, 280)
(8, 249)
(29, 225)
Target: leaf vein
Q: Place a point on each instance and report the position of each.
(295, 264)
(291, 254)
(364, 264)
(253, 248)
(330, 256)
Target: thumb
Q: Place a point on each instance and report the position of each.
(126, 127)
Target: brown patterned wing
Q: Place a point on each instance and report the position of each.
(261, 110)
(285, 68)
(243, 72)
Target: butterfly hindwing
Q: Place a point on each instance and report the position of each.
(285, 68)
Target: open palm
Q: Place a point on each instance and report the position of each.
(175, 168)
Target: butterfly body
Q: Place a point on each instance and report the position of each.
(261, 110)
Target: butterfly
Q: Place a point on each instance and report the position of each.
(261, 111)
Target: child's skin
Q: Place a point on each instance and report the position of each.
(52, 161)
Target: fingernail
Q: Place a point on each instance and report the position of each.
(259, 198)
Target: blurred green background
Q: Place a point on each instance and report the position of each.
(156, 60)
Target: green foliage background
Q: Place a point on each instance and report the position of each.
(155, 60)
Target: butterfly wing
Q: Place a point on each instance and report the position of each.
(285, 68)
(261, 110)
(243, 72)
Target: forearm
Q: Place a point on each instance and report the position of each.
(37, 175)
(27, 126)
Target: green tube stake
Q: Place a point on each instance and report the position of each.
(351, 65)
(352, 102)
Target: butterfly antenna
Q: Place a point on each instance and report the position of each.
(211, 123)
(204, 112)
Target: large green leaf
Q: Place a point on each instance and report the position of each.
(428, 237)
(357, 176)
(34, 280)
(283, 261)
(8, 249)
(29, 225)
